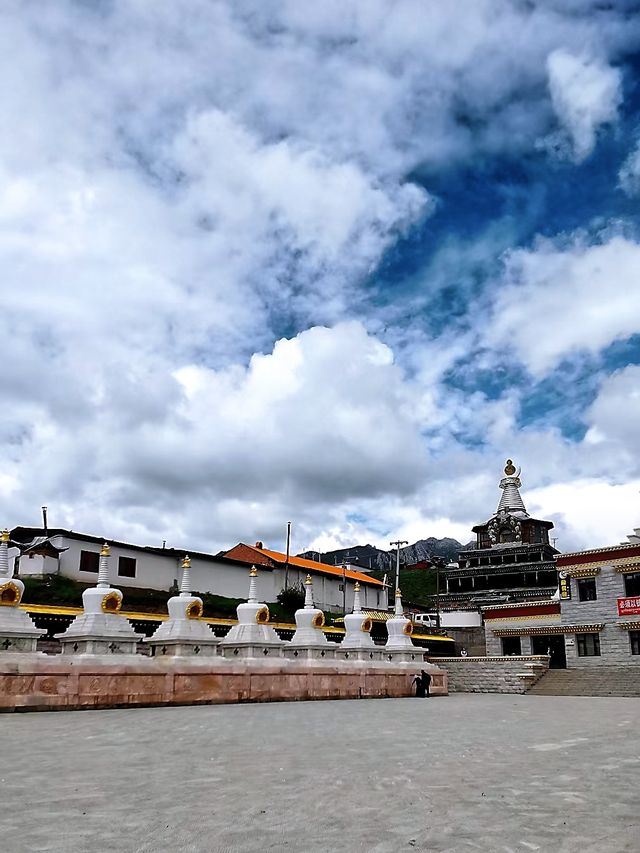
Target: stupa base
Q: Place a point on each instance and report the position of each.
(322, 651)
(265, 651)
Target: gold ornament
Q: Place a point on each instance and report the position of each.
(262, 615)
(104, 551)
(408, 629)
(308, 581)
(253, 573)
(509, 468)
(366, 625)
(9, 594)
(111, 603)
(194, 610)
(186, 563)
(318, 620)
(4, 536)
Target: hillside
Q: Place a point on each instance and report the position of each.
(385, 561)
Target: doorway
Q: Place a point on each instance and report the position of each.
(552, 644)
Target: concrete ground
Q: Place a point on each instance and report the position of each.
(464, 773)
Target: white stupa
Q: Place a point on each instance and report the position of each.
(184, 633)
(252, 636)
(101, 628)
(399, 645)
(357, 642)
(17, 630)
(309, 640)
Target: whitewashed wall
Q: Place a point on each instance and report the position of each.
(157, 571)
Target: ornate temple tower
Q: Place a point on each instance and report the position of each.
(513, 559)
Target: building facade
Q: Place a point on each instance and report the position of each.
(36, 553)
(513, 559)
(600, 604)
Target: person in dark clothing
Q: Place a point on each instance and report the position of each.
(422, 683)
(420, 689)
(426, 681)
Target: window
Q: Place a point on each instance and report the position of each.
(89, 561)
(634, 638)
(126, 567)
(511, 646)
(587, 589)
(588, 645)
(632, 584)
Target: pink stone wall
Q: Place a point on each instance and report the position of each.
(74, 683)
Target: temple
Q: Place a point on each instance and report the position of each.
(513, 559)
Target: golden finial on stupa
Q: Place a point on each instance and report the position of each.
(509, 468)
(4, 536)
(398, 593)
(357, 586)
(308, 581)
(104, 551)
(186, 563)
(253, 573)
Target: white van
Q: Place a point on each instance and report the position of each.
(425, 620)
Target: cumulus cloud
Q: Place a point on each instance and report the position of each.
(558, 301)
(586, 94)
(190, 206)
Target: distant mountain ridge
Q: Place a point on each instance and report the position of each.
(378, 560)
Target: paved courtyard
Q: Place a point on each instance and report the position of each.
(463, 773)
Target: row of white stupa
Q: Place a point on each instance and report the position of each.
(102, 629)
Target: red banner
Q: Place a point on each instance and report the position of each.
(629, 606)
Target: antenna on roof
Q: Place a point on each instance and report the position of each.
(44, 520)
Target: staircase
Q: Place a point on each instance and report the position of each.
(595, 681)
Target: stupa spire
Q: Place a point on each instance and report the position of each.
(253, 585)
(357, 606)
(4, 553)
(399, 608)
(308, 593)
(185, 586)
(511, 501)
(103, 567)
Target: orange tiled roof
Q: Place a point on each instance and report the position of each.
(311, 565)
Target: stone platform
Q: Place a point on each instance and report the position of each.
(79, 682)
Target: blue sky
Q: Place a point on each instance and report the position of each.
(264, 261)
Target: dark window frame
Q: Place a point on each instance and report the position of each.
(588, 645)
(130, 560)
(89, 558)
(634, 642)
(587, 589)
(632, 585)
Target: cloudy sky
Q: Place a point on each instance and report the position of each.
(322, 262)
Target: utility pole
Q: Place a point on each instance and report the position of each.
(397, 545)
(286, 562)
(344, 589)
(439, 563)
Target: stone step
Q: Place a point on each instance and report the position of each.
(600, 681)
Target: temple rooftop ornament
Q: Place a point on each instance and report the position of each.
(399, 646)
(357, 643)
(184, 633)
(101, 628)
(511, 500)
(309, 640)
(252, 636)
(18, 633)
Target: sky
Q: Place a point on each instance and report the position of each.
(332, 263)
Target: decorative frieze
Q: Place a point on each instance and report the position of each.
(627, 568)
(548, 629)
(588, 572)
(630, 626)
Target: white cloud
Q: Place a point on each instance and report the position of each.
(586, 94)
(629, 174)
(553, 302)
(178, 192)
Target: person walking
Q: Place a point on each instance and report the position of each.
(426, 681)
(420, 687)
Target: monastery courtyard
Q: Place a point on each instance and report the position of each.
(469, 772)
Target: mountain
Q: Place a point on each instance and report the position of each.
(385, 561)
